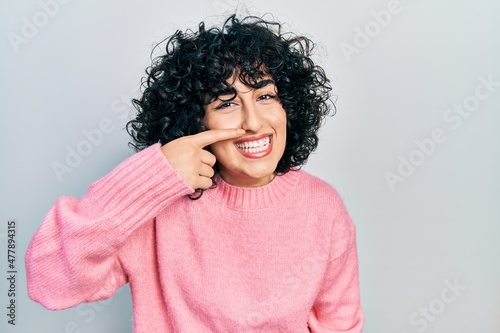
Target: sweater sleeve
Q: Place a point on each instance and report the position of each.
(73, 256)
(337, 307)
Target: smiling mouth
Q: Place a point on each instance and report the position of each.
(255, 148)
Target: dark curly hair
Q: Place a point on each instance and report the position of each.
(197, 66)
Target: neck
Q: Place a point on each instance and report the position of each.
(254, 198)
(246, 181)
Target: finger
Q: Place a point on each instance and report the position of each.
(204, 182)
(207, 158)
(211, 136)
(206, 171)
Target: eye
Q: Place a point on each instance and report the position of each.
(223, 105)
(266, 96)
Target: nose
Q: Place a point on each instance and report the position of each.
(252, 120)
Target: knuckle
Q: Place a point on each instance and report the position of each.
(211, 172)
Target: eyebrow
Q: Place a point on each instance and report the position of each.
(263, 83)
(231, 91)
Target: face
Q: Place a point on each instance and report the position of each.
(250, 160)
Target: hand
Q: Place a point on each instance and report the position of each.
(191, 161)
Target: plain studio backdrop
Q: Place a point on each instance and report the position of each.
(413, 148)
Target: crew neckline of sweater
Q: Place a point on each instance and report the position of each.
(254, 198)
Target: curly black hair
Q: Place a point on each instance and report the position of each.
(196, 66)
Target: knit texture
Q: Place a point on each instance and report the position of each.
(276, 258)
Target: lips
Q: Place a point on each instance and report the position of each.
(255, 147)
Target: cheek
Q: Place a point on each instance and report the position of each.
(209, 120)
(206, 122)
(224, 152)
(220, 121)
(279, 121)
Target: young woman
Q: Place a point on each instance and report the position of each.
(212, 222)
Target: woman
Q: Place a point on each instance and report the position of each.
(227, 117)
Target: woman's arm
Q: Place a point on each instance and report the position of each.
(73, 256)
(337, 307)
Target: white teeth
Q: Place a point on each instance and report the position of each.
(254, 146)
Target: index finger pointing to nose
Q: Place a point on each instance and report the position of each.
(212, 136)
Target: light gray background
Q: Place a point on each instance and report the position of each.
(439, 226)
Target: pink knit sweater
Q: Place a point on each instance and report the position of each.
(277, 258)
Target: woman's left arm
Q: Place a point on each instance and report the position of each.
(337, 307)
